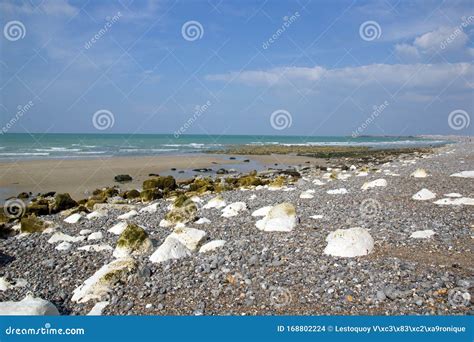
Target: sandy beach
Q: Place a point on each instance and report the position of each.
(350, 237)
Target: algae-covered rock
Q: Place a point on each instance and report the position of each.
(92, 202)
(38, 207)
(32, 224)
(250, 180)
(150, 195)
(186, 213)
(134, 240)
(164, 183)
(201, 185)
(100, 283)
(131, 194)
(62, 202)
(123, 178)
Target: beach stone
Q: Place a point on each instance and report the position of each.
(341, 191)
(422, 234)
(203, 220)
(419, 173)
(74, 218)
(98, 308)
(212, 245)
(453, 195)
(128, 215)
(59, 237)
(63, 246)
(95, 236)
(85, 232)
(95, 248)
(424, 195)
(28, 306)
(189, 237)
(113, 206)
(216, 203)
(171, 248)
(318, 182)
(118, 228)
(150, 209)
(62, 202)
(95, 215)
(455, 201)
(464, 174)
(376, 183)
(316, 217)
(100, 283)
(349, 243)
(308, 194)
(262, 211)
(134, 240)
(280, 218)
(123, 178)
(233, 209)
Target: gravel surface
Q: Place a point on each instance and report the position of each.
(283, 273)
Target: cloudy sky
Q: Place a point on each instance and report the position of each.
(330, 67)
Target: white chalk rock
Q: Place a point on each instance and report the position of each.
(95, 248)
(98, 308)
(455, 201)
(424, 195)
(126, 216)
(262, 211)
(353, 168)
(210, 246)
(95, 215)
(95, 236)
(318, 182)
(74, 218)
(453, 195)
(203, 220)
(98, 285)
(280, 218)
(316, 217)
(5, 284)
(215, 203)
(349, 243)
(118, 228)
(422, 234)
(165, 223)
(189, 237)
(376, 183)
(419, 173)
(252, 197)
(85, 232)
(233, 209)
(308, 194)
(362, 174)
(150, 209)
(59, 237)
(29, 306)
(340, 191)
(63, 246)
(464, 174)
(170, 249)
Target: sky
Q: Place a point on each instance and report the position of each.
(237, 67)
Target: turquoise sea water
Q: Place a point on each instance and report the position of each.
(77, 146)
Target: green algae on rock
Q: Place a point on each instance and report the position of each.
(134, 240)
(32, 224)
(167, 183)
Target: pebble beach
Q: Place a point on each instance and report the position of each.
(349, 237)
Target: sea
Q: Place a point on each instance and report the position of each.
(21, 146)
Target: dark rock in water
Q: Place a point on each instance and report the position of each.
(202, 170)
(153, 175)
(246, 160)
(62, 202)
(180, 171)
(130, 194)
(150, 195)
(173, 169)
(123, 178)
(232, 158)
(167, 183)
(23, 195)
(214, 163)
(222, 172)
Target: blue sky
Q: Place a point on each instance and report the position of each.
(310, 60)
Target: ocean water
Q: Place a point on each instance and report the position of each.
(79, 146)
